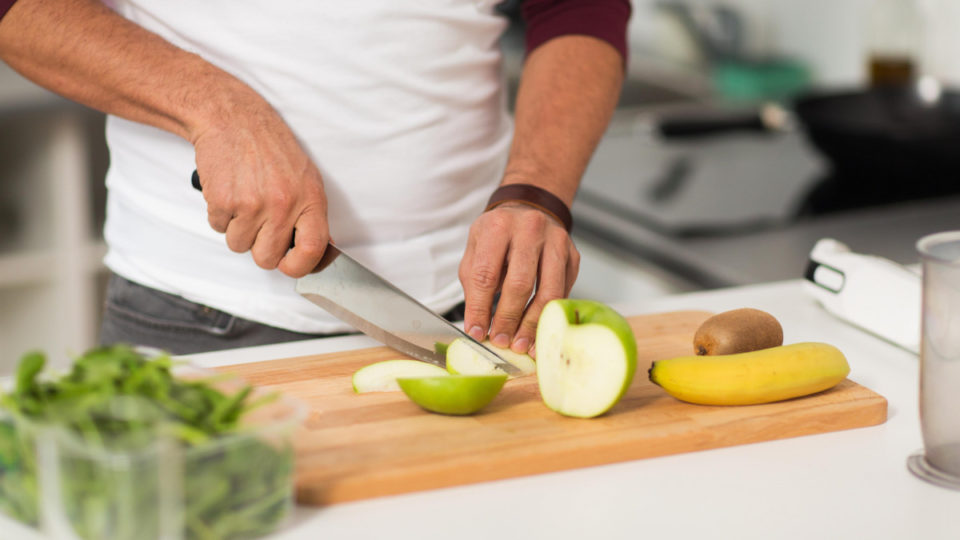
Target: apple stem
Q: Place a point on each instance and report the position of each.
(576, 316)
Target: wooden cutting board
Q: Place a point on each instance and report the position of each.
(360, 446)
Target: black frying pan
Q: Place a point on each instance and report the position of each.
(883, 145)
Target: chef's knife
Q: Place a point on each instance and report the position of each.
(359, 297)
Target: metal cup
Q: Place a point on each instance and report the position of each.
(939, 462)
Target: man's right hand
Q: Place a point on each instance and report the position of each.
(260, 186)
(258, 182)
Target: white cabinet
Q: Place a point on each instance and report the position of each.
(52, 162)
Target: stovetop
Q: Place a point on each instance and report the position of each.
(708, 186)
(729, 210)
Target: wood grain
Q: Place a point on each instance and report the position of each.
(361, 446)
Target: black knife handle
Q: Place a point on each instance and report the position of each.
(694, 127)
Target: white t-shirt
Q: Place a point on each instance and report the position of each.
(399, 104)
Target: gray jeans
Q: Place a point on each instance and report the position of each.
(140, 315)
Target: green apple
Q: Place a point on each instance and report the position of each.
(586, 357)
(382, 376)
(462, 359)
(453, 394)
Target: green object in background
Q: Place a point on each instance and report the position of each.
(117, 422)
(759, 80)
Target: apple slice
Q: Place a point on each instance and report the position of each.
(462, 359)
(586, 357)
(453, 394)
(382, 376)
(524, 362)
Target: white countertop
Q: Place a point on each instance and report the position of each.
(843, 485)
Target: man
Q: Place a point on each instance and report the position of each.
(378, 124)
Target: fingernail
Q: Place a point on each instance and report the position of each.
(521, 345)
(476, 333)
(501, 340)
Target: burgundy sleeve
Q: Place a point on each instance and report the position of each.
(5, 6)
(602, 19)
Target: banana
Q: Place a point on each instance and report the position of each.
(749, 378)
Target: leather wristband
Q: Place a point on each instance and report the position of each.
(534, 196)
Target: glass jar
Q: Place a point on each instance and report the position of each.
(894, 45)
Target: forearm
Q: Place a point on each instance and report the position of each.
(568, 91)
(84, 51)
(258, 182)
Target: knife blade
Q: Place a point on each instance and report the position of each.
(361, 298)
(358, 296)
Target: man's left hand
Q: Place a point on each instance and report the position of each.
(520, 252)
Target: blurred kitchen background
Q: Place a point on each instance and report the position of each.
(747, 130)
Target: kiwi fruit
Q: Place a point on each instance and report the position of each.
(737, 331)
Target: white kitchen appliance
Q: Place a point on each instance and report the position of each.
(872, 293)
